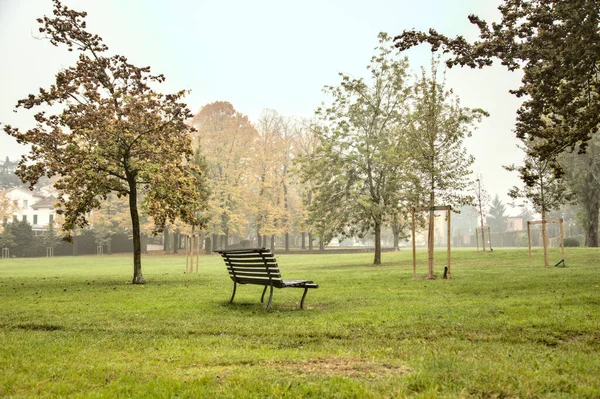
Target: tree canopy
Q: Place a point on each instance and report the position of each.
(114, 134)
(557, 45)
(497, 218)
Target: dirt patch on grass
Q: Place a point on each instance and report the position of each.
(341, 366)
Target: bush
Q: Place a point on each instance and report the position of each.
(572, 242)
(21, 241)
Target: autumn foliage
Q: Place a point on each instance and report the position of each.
(114, 133)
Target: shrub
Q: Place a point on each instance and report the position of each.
(21, 241)
(572, 242)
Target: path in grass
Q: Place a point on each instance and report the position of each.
(74, 327)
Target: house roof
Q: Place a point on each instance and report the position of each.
(24, 190)
(47, 202)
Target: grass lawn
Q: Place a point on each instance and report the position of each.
(75, 327)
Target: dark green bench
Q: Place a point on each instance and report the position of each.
(258, 266)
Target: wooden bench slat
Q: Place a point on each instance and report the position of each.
(257, 261)
(272, 266)
(253, 270)
(249, 256)
(244, 251)
(259, 281)
(256, 274)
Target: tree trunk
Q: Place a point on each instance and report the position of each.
(431, 235)
(258, 240)
(272, 242)
(144, 243)
(215, 242)
(544, 243)
(377, 260)
(166, 240)
(482, 231)
(321, 244)
(396, 232)
(310, 242)
(303, 240)
(207, 245)
(591, 231)
(287, 242)
(176, 238)
(138, 278)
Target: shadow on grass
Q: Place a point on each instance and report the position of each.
(59, 283)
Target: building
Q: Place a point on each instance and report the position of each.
(515, 223)
(33, 207)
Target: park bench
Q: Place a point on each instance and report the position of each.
(258, 266)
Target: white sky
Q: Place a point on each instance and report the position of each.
(262, 54)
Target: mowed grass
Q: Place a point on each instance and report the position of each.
(75, 327)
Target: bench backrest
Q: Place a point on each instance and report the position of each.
(252, 266)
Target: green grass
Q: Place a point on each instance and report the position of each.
(74, 327)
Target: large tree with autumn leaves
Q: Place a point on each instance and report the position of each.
(226, 140)
(113, 134)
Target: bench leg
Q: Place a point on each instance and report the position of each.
(303, 296)
(262, 298)
(270, 297)
(232, 295)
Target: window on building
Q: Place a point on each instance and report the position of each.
(51, 219)
(25, 203)
(34, 219)
(24, 218)
(15, 218)
(16, 203)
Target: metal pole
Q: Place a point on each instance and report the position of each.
(414, 245)
(449, 230)
(529, 241)
(562, 241)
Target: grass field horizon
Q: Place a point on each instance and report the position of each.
(75, 327)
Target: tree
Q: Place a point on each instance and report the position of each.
(115, 134)
(358, 168)
(497, 218)
(268, 166)
(555, 43)
(7, 208)
(400, 223)
(305, 143)
(8, 179)
(226, 139)
(482, 201)
(440, 162)
(583, 178)
(19, 238)
(542, 187)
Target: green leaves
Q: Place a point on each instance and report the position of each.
(557, 45)
(357, 170)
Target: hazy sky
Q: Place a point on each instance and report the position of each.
(262, 54)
